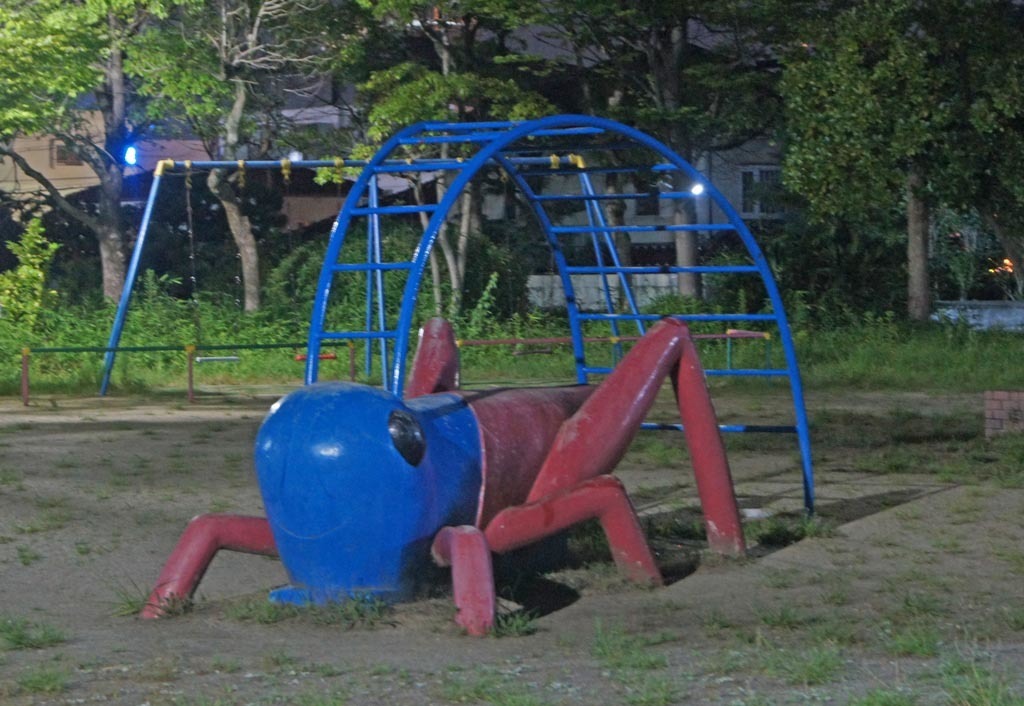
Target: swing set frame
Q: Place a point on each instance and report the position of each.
(163, 168)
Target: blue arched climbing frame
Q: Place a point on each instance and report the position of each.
(576, 149)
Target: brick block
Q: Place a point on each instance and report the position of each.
(1004, 412)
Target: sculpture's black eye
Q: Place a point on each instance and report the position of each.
(407, 436)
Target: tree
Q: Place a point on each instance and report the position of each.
(23, 292)
(55, 53)
(225, 67)
(979, 51)
(462, 82)
(697, 74)
(905, 102)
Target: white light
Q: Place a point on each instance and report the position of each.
(295, 156)
(131, 156)
(697, 189)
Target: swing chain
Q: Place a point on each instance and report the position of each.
(193, 279)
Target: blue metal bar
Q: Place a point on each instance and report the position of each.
(358, 335)
(572, 170)
(747, 372)
(680, 317)
(559, 132)
(170, 164)
(488, 137)
(609, 241)
(420, 165)
(129, 283)
(582, 148)
(647, 229)
(632, 195)
(661, 269)
(596, 217)
(392, 210)
(334, 245)
(371, 267)
(379, 282)
(372, 228)
(460, 138)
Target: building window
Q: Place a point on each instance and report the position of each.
(61, 156)
(762, 189)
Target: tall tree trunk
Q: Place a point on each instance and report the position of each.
(688, 283)
(667, 54)
(469, 223)
(918, 291)
(110, 233)
(229, 197)
(435, 266)
(114, 107)
(111, 260)
(241, 232)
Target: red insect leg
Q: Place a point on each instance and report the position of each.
(602, 497)
(202, 539)
(435, 367)
(707, 453)
(594, 440)
(465, 549)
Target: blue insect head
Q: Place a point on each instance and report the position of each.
(356, 483)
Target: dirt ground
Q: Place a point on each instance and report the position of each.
(908, 589)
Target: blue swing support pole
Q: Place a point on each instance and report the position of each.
(163, 167)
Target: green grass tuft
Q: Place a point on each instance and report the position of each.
(514, 623)
(43, 680)
(617, 649)
(21, 634)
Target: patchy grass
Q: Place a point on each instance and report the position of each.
(21, 634)
(54, 514)
(43, 680)
(968, 683)
(885, 697)
(316, 698)
(260, 610)
(918, 604)
(357, 612)
(488, 687)
(619, 650)
(129, 599)
(783, 530)
(27, 555)
(807, 667)
(912, 641)
(514, 623)
(785, 617)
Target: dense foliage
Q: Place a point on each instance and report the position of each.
(886, 112)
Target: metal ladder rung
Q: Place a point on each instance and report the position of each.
(660, 269)
(563, 230)
(361, 335)
(371, 266)
(392, 210)
(680, 317)
(391, 167)
(631, 196)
